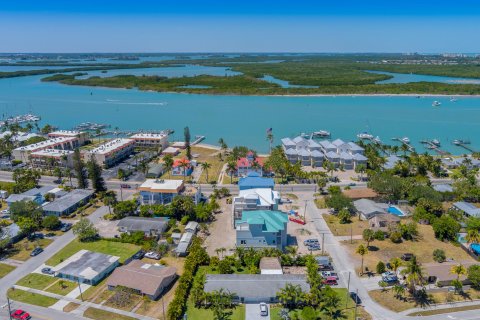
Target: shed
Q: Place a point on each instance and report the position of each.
(270, 265)
(192, 227)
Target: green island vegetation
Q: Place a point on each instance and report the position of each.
(343, 74)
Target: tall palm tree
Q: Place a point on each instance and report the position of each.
(231, 168)
(270, 139)
(291, 296)
(458, 270)
(206, 166)
(399, 291)
(362, 250)
(414, 273)
(395, 263)
(168, 163)
(184, 165)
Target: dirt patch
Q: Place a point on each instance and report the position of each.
(222, 234)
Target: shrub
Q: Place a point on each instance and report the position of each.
(225, 267)
(439, 255)
(184, 220)
(379, 235)
(396, 237)
(380, 267)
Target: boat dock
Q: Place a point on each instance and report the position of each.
(410, 147)
(435, 147)
(197, 140)
(463, 144)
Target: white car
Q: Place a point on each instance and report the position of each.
(326, 274)
(153, 255)
(263, 309)
(6, 211)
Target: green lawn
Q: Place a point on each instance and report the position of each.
(122, 250)
(22, 249)
(62, 287)
(31, 298)
(193, 313)
(98, 314)
(5, 269)
(348, 313)
(36, 281)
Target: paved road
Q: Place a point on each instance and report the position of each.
(33, 263)
(252, 312)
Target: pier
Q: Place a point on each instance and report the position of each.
(197, 140)
(435, 147)
(463, 144)
(410, 148)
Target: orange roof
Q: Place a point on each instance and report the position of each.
(178, 162)
(359, 193)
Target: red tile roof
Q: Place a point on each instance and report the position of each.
(178, 162)
(244, 162)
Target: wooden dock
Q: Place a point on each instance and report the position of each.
(465, 146)
(197, 140)
(435, 147)
(410, 148)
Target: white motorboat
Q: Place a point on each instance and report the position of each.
(322, 133)
(405, 140)
(436, 142)
(365, 136)
(436, 103)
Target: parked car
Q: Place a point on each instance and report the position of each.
(6, 211)
(36, 252)
(352, 184)
(355, 298)
(310, 241)
(36, 235)
(66, 226)
(153, 255)
(389, 277)
(326, 274)
(331, 281)
(125, 186)
(48, 271)
(139, 255)
(407, 256)
(20, 315)
(263, 309)
(313, 247)
(285, 200)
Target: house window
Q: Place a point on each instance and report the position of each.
(243, 241)
(273, 241)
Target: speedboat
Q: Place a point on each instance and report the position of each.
(436, 142)
(377, 139)
(364, 135)
(436, 103)
(322, 133)
(453, 100)
(405, 140)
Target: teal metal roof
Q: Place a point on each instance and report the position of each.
(272, 221)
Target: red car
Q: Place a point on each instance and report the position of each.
(331, 281)
(20, 314)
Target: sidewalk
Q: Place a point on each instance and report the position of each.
(83, 304)
(441, 306)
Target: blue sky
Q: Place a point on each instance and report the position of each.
(239, 26)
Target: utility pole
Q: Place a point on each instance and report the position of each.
(305, 212)
(348, 290)
(80, 288)
(351, 234)
(163, 307)
(9, 310)
(323, 243)
(356, 304)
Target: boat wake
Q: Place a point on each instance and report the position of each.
(138, 103)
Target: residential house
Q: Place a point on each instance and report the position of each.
(146, 279)
(151, 227)
(443, 187)
(60, 143)
(254, 288)
(368, 208)
(171, 151)
(159, 191)
(182, 167)
(383, 222)
(35, 194)
(360, 193)
(262, 229)
(249, 164)
(391, 161)
(255, 199)
(155, 170)
(87, 267)
(255, 181)
(466, 208)
(440, 273)
(68, 203)
(110, 153)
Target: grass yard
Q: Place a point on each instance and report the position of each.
(210, 156)
(5, 269)
(423, 249)
(348, 313)
(134, 300)
(70, 307)
(31, 298)
(98, 314)
(93, 290)
(122, 250)
(193, 313)
(355, 227)
(442, 311)
(36, 281)
(22, 249)
(62, 287)
(388, 300)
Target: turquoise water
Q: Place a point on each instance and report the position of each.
(405, 78)
(243, 120)
(475, 248)
(461, 237)
(396, 211)
(283, 83)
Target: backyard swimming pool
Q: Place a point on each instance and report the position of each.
(475, 248)
(396, 211)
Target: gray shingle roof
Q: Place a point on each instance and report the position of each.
(254, 286)
(354, 147)
(143, 224)
(87, 264)
(359, 157)
(468, 208)
(38, 191)
(338, 142)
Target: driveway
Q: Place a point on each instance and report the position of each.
(252, 312)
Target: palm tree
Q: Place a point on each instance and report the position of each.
(68, 173)
(270, 139)
(168, 162)
(231, 168)
(459, 270)
(399, 291)
(109, 199)
(414, 273)
(184, 165)
(291, 296)
(395, 263)
(360, 168)
(217, 251)
(472, 236)
(362, 250)
(206, 166)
